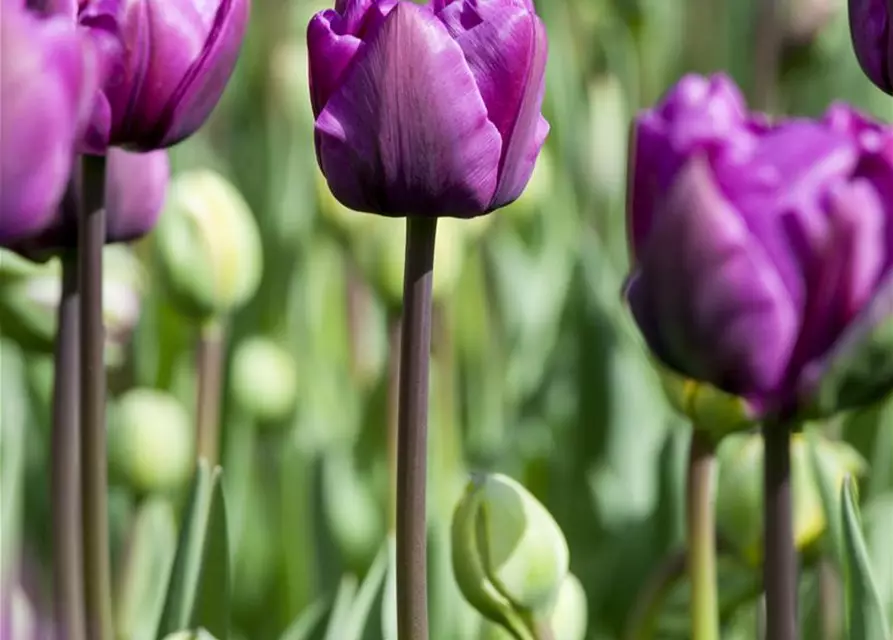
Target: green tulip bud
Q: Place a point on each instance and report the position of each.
(807, 18)
(264, 380)
(510, 557)
(30, 293)
(208, 245)
(567, 622)
(739, 496)
(383, 250)
(150, 441)
(608, 114)
(709, 409)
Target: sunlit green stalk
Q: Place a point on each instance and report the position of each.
(209, 369)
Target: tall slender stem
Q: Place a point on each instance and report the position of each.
(68, 580)
(94, 472)
(210, 376)
(393, 412)
(780, 562)
(702, 538)
(412, 441)
(768, 40)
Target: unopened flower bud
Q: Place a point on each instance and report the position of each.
(30, 293)
(264, 380)
(150, 441)
(609, 113)
(209, 246)
(201, 634)
(510, 557)
(739, 498)
(807, 18)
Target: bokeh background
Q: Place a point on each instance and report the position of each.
(537, 370)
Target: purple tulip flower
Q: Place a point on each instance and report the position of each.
(135, 190)
(47, 80)
(763, 255)
(871, 25)
(167, 65)
(428, 110)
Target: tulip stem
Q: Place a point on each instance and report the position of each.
(94, 472)
(702, 538)
(768, 51)
(780, 562)
(65, 494)
(210, 376)
(393, 412)
(412, 430)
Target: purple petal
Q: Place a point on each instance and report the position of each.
(708, 299)
(698, 115)
(407, 132)
(201, 88)
(872, 33)
(329, 52)
(136, 186)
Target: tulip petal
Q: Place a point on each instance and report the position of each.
(407, 132)
(709, 301)
(136, 187)
(706, 114)
(330, 52)
(872, 33)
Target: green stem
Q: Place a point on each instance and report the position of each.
(210, 373)
(412, 437)
(780, 561)
(94, 472)
(393, 404)
(702, 538)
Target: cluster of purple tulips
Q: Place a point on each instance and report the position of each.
(761, 248)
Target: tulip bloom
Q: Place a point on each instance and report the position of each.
(135, 191)
(871, 26)
(427, 110)
(47, 79)
(167, 65)
(763, 255)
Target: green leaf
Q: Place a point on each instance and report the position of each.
(365, 598)
(198, 591)
(307, 622)
(866, 618)
(830, 496)
(147, 570)
(341, 610)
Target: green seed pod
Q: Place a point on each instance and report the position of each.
(709, 409)
(201, 634)
(264, 380)
(30, 293)
(510, 557)
(208, 245)
(150, 441)
(739, 497)
(567, 622)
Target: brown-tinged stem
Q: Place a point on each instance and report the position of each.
(780, 561)
(702, 537)
(68, 579)
(829, 599)
(415, 355)
(94, 472)
(393, 412)
(209, 367)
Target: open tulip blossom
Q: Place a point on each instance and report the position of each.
(871, 25)
(427, 110)
(763, 254)
(167, 65)
(47, 79)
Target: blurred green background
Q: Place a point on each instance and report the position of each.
(537, 369)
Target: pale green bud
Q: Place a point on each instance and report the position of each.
(264, 379)
(609, 114)
(537, 191)
(208, 245)
(510, 557)
(739, 495)
(382, 254)
(30, 294)
(151, 441)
